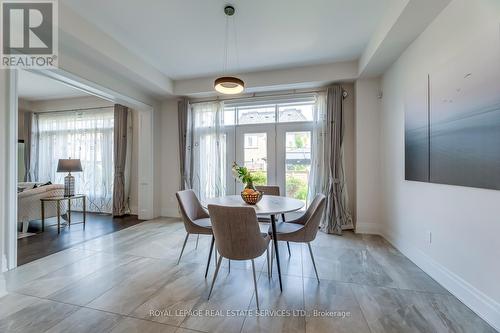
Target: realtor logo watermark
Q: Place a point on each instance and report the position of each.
(29, 36)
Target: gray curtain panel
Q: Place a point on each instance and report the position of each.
(120, 158)
(28, 121)
(185, 141)
(337, 212)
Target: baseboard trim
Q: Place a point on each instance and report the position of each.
(169, 212)
(483, 305)
(3, 286)
(367, 228)
(3, 283)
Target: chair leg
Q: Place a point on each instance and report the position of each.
(210, 256)
(229, 265)
(197, 239)
(183, 246)
(215, 276)
(268, 264)
(312, 258)
(287, 244)
(272, 258)
(255, 285)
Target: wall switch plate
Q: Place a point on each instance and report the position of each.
(429, 236)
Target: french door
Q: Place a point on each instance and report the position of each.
(293, 154)
(256, 149)
(277, 154)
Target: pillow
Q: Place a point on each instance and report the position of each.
(40, 185)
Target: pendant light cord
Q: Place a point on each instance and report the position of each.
(235, 43)
(224, 70)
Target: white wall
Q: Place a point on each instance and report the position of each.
(276, 80)
(8, 174)
(20, 124)
(464, 222)
(61, 104)
(134, 168)
(367, 136)
(170, 178)
(4, 108)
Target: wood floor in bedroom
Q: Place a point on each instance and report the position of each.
(48, 242)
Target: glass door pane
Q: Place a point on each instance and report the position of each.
(297, 163)
(255, 156)
(255, 149)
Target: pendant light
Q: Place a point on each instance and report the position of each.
(228, 85)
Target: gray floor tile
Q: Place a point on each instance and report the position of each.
(132, 325)
(86, 320)
(395, 310)
(279, 311)
(180, 292)
(346, 265)
(232, 292)
(112, 283)
(37, 316)
(332, 306)
(135, 290)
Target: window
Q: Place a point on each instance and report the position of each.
(294, 109)
(271, 137)
(256, 115)
(255, 156)
(297, 163)
(86, 135)
(295, 112)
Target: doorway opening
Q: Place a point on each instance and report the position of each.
(69, 117)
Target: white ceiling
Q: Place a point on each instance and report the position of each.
(34, 87)
(185, 38)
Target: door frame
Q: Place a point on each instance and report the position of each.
(276, 144)
(146, 209)
(281, 130)
(270, 130)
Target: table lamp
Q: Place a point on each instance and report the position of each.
(69, 165)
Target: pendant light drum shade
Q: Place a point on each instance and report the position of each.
(229, 85)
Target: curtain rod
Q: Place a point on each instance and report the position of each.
(254, 95)
(69, 110)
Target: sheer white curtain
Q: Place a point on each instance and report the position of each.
(86, 135)
(209, 150)
(319, 164)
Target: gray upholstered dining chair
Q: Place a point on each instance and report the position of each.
(238, 237)
(305, 228)
(271, 190)
(196, 220)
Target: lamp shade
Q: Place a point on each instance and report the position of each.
(229, 85)
(69, 165)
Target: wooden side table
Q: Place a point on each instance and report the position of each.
(58, 200)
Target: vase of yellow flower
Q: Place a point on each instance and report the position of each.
(249, 194)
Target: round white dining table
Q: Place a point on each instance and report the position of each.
(269, 205)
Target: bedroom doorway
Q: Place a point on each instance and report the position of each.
(81, 92)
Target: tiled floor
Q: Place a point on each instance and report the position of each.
(128, 281)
